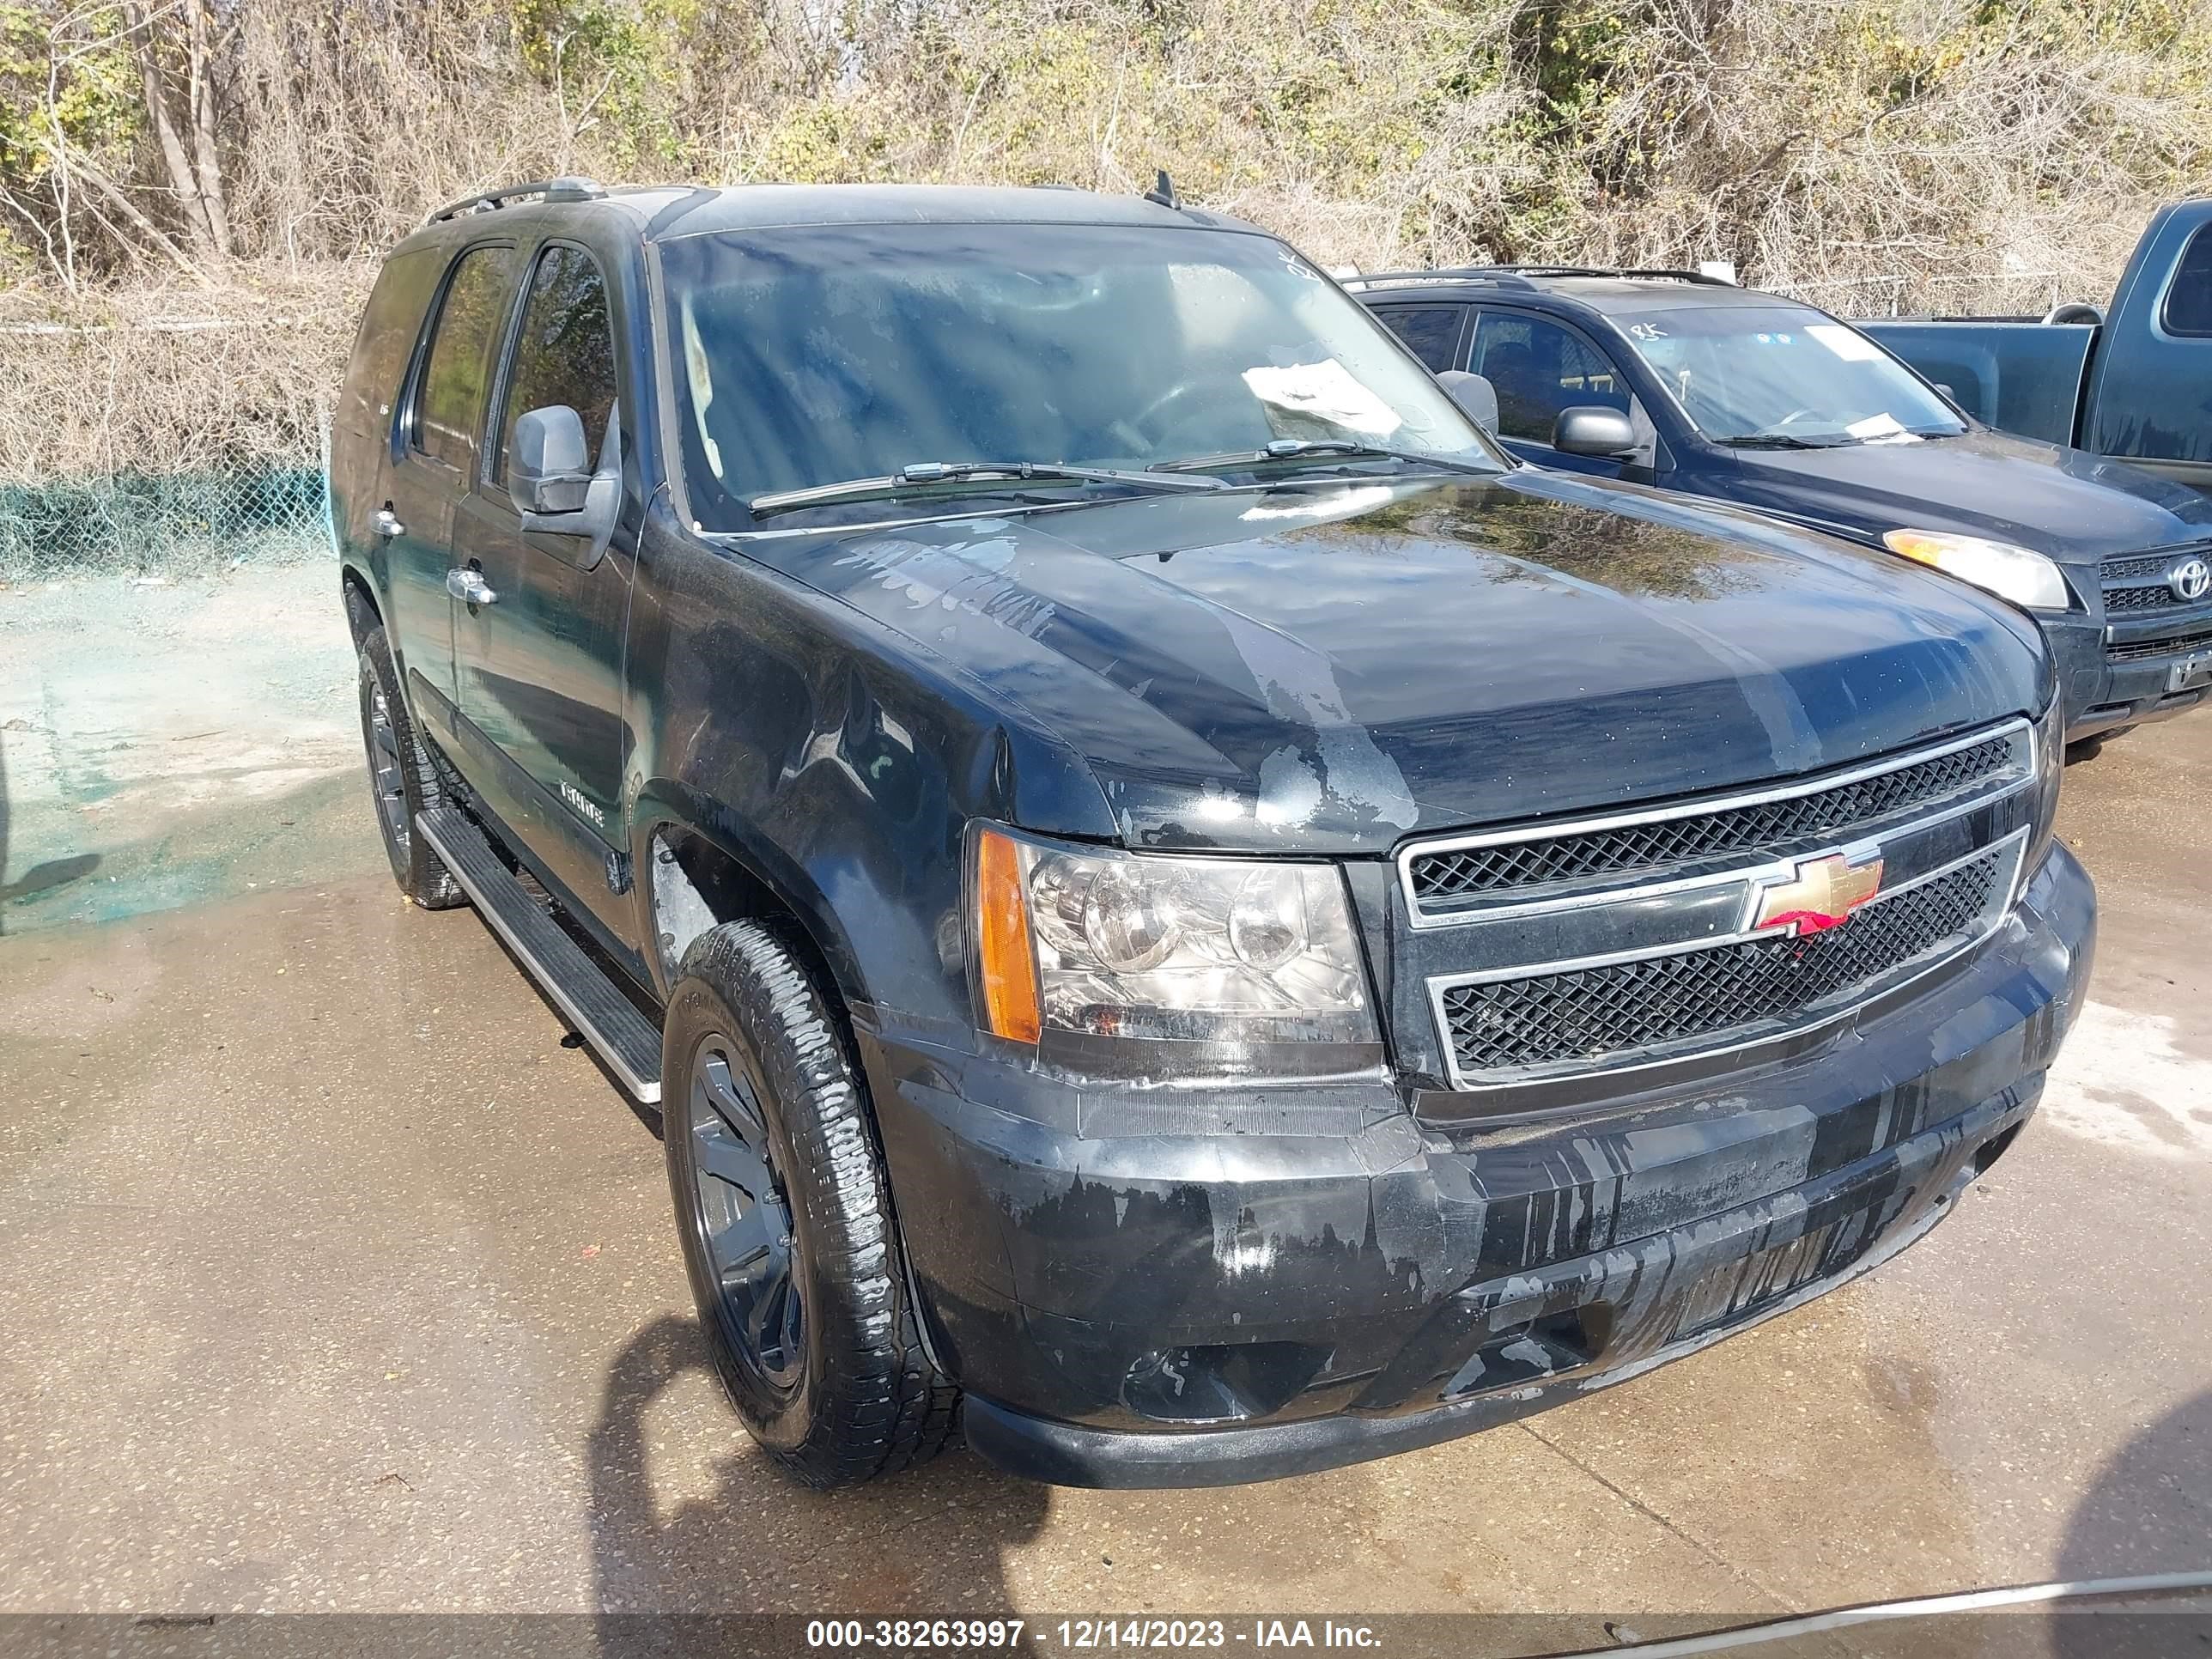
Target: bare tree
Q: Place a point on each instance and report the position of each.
(177, 47)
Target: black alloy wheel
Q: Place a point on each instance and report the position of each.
(743, 1222)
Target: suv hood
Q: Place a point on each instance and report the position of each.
(2072, 506)
(1331, 667)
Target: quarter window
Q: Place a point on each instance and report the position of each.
(1538, 369)
(449, 409)
(564, 352)
(2188, 301)
(1431, 332)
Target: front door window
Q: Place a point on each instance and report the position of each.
(564, 352)
(1539, 369)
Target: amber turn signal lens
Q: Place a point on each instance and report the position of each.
(1005, 969)
(1921, 549)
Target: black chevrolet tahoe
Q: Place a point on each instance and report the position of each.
(1179, 909)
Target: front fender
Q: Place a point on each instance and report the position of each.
(832, 762)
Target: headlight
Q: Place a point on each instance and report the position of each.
(2018, 573)
(1132, 964)
(2050, 737)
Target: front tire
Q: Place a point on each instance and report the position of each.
(402, 780)
(783, 1212)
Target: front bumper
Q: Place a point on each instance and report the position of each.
(2103, 692)
(1170, 1288)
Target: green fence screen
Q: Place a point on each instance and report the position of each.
(151, 522)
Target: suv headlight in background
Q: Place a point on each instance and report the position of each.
(2020, 574)
(1137, 965)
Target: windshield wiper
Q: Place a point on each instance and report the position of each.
(1785, 441)
(918, 474)
(1301, 449)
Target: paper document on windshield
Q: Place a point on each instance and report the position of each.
(1321, 400)
(1882, 429)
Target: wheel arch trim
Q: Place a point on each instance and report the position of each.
(357, 587)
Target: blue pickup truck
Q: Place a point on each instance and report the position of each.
(2133, 382)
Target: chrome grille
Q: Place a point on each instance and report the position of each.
(1589, 1018)
(1642, 938)
(1453, 873)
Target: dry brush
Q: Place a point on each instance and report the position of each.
(237, 164)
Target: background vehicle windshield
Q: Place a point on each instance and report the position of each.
(819, 355)
(1782, 373)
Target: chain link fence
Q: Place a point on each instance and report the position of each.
(151, 522)
(158, 433)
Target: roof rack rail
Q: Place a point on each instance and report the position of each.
(1523, 273)
(1668, 273)
(1510, 274)
(1547, 270)
(569, 189)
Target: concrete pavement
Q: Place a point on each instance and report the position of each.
(330, 1280)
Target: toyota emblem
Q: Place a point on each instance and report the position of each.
(2190, 580)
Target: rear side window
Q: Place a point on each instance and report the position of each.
(1538, 369)
(389, 326)
(449, 408)
(1431, 332)
(2188, 301)
(564, 352)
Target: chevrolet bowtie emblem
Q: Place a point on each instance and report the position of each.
(1821, 895)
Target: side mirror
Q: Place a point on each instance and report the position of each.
(1588, 429)
(568, 507)
(1476, 397)
(547, 470)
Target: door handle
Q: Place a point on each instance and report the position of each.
(388, 526)
(468, 585)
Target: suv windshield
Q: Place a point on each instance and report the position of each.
(818, 355)
(1783, 375)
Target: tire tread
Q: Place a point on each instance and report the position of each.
(884, 1405)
